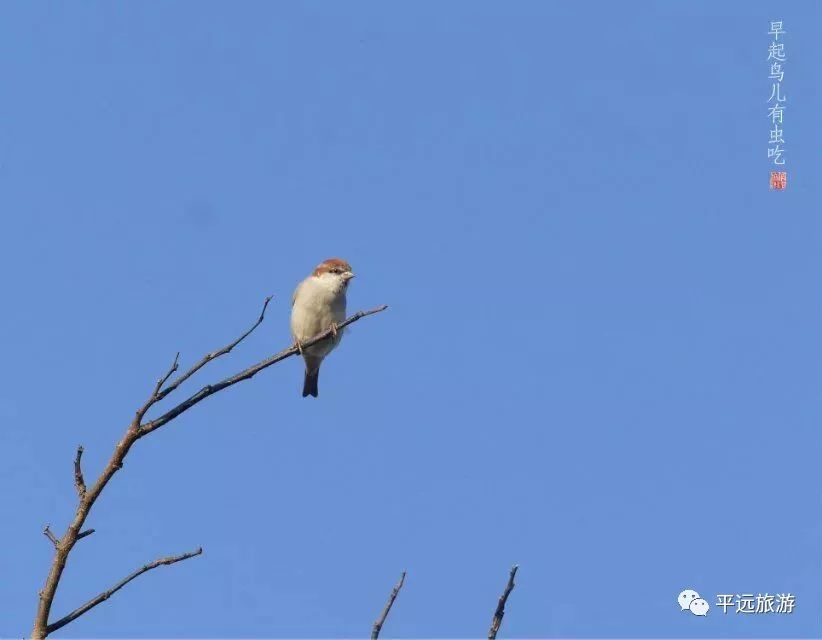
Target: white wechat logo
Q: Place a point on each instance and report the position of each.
(699, 607)
(689, 600)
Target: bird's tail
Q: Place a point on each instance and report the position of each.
(310, 383)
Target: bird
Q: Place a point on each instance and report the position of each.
(318, 304)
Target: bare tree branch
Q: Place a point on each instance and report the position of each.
(375, 630)
(79, 483)
(161, 381)
(211, 389)
(48, 533)
(154, 398)
(62, 622)
(137, 430)
(500, 612)
(214, 354)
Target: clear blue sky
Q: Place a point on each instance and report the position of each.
(601, 360)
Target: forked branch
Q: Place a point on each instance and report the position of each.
(138, 429)
(214, 354)
(253, 370)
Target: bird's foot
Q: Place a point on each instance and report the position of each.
(334, 330)
(299, 346)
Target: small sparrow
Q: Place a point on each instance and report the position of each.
(319, 304)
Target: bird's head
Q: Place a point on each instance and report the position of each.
(334, 272)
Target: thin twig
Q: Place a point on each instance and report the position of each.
(79, 483)
(85, 533)
(62, 622)
(154, 398)
(214, 354)
(174, 366)
(211, 389)
(500, 612)
(375, 630)
(48, 533)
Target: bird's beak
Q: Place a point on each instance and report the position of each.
(348, 275)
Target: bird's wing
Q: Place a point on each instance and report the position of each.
(296, 291)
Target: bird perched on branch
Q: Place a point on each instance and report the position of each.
(318, 304)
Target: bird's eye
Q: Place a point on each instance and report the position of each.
(336, 270)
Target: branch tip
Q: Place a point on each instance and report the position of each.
(375, 630)
(265, 306)
(48, 533)
(496, 621)
(79, 482)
